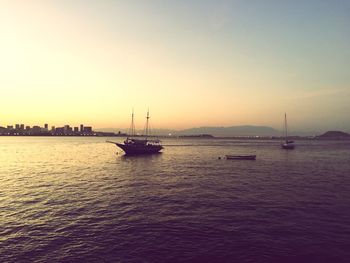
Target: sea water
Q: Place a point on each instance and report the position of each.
(79, 199)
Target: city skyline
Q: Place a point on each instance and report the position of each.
(23, 129)
(193, 63)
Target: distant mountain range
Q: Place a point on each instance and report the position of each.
(334, 135)
(245, 130)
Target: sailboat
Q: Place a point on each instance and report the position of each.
(138, 146)
(287, 144)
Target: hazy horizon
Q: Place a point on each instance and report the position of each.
(140, 128)
(192, 63)
(163, 131)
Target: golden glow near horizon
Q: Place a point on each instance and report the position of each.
(194, 64)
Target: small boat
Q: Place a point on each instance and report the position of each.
(240, 157)
(139, 146)
(287, 144)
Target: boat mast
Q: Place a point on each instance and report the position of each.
(132, 128)
(147, 120)
(285, 127)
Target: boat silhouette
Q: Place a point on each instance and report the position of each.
(287, 144)
(140, 145)
(240, 157)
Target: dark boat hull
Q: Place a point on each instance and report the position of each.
(139, 149)
(240, 157)
(288, 146)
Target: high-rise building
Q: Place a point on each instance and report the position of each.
(81, 128)
(46, 126)
(36, 130)
(59, 131)
(68, 130)
(88, 129)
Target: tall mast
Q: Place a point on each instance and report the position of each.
(132, 128)
(147, 120)
(285, 126)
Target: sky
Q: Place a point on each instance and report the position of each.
(192, 63)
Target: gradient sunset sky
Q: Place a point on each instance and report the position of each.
(193, 63)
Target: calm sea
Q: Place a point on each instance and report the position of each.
(75, 200)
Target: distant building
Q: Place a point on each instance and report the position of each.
(68, 130)
(9, 127)
(59, 131)
(87, 129)
(76, 129)
(17, 127)
(81, 128)
(46, 128)
(3, 131)
(36, 130)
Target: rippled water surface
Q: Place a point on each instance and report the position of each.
(76, 200)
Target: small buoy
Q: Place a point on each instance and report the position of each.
(219, 158)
